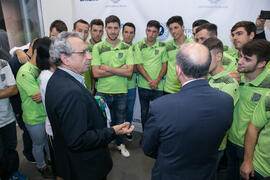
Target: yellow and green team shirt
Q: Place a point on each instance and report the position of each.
(229, 60)
(172, 84)
(261, 118)
(28, 85)
(151, 59)
(87, 75)
(251, 94)
(131, 83)
(105, 53)
(226, 84)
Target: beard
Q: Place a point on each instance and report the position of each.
(247, 70)
(112, 38)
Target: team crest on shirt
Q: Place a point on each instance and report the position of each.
(156, 52)
(120, 55)
(256, 97)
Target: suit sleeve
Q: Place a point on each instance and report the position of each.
(78, 128)
(150, 141)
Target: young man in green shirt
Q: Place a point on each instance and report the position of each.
(128, 34)
(220, 79)
(34, 114)
(112, 64)
(96, 32)
(151, 60)
(254, 84)
(242, 32)
(176, 27)
(208, 30)
(257, 139)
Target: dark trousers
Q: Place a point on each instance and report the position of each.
(27, 141)
(9, 159)
(145, 96)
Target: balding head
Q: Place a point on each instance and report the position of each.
(194, 60)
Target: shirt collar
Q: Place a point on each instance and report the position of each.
(154, 45)
(191, 81)
(78, 77)
(221, 74)
(258, 80)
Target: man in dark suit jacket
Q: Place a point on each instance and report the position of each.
(79, 127)
(185, 129)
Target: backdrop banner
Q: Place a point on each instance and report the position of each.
(223, 13)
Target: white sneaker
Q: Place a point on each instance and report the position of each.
(123, 150)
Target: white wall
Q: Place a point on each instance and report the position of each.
(57, 9)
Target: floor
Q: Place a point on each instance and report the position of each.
(136, 167)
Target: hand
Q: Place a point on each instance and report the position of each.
(22, 56)
(153, 84)
(123, 128)
(104, 67)
(235, 75)
(124, 66)
(246, 169)
(93, 92)
(37, 98)
(260, 22)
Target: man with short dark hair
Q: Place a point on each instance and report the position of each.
(80, 135)
(56, 27)
(196, 24)
(112, 64)
(219, 78)
(81, 27)
(151, 59)
(176, 28)
(208, 30)
(128, 34)
(205, 31)
(253, 57)
(184, 129)
(96, 32)
(242, 32)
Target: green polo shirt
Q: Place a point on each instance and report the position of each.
(226, 84)
(172, 84)
(131, 83)
(105, 53)
(151, 59)
(229, 60)
(261, 118)
(87, 75)
(251, 94)
(231, 52)
(28, 85)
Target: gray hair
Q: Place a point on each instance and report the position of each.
(189, 66)
(60, 45)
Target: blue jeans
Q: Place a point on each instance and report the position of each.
(131, 96)
(9, 159)
(40, 141)
(145, 96)
(118, 107)
(235, 157)
(27, 142)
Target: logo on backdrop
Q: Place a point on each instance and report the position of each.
(115, 1)
(213, 1)
(216, 4)
(89, 0)
(164, 32)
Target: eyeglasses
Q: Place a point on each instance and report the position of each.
(83, 52)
